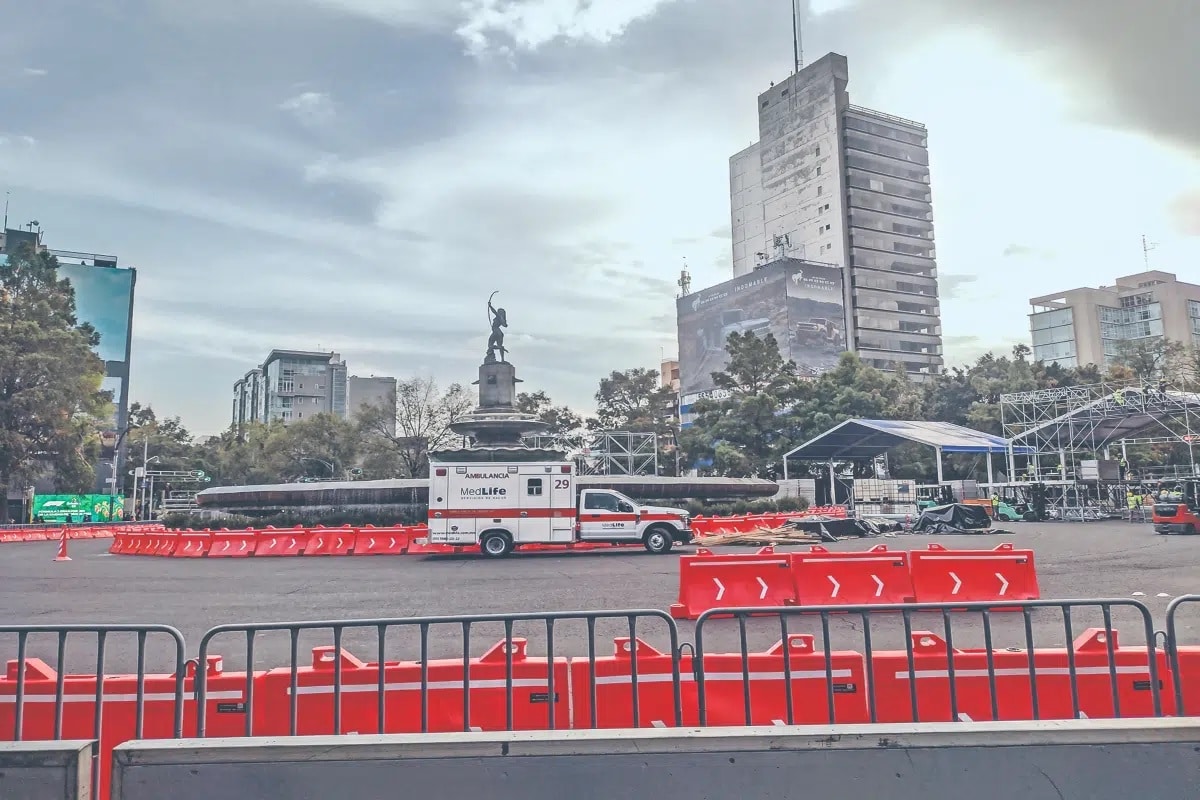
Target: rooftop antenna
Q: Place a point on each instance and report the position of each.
(685, 281)
(797, 41)
(6, 196)
(1146, 248)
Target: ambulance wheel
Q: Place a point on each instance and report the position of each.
(496, 544)
(658, 540)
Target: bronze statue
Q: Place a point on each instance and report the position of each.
(498, 320)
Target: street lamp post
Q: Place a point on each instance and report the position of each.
(332, 468)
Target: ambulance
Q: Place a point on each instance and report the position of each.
(500, 507)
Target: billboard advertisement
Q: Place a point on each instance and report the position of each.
(77, 507)
(800, 302)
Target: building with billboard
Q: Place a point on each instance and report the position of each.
(104, 296)
(843, 184)
(801, 303)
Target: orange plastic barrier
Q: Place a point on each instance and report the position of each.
(877, 575)
(233, 544)
(717, 580)
(1188, 677)
(192, 544)
(945, 576)
(486, 679)
(1011, 669)
(119, 707)
(725, 686)
(380, 541)
(613, 687)
(272, 542)
(329, 542)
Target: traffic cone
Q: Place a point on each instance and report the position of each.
(62, 547)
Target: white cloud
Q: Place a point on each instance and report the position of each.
(35, 72)
(311, 108)
(529, 24)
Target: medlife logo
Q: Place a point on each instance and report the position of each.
(483, 491)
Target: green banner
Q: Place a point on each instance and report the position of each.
(77, 507)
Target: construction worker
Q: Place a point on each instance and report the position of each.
(1133, 501)
(1123, 465)
(1119, 397)
(995, 506)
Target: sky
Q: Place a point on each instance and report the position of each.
(359, 175)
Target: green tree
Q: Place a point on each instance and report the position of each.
(51, 403)
(561, 419)
(1152, 358)
(320, 447)
(745, 433)
(634, 401)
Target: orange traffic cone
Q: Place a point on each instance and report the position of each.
(62, 547)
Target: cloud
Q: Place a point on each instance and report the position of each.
(529, 24)
(1017, 250)
(1185, 213)
(311, 108)
(949, 284)
(1125, 66)
(34, 72)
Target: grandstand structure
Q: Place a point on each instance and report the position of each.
(1059, 428)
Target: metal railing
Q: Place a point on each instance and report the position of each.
(1173, 645)
(64, 727)
(549, 622)
(986, 612)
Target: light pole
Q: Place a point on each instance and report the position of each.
(147, 509)
(332, 468)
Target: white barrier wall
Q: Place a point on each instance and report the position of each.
(1071, 760)
(46, 770)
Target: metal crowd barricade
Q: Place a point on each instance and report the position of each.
(65, 640)
(866, 616)
(633, 621)
(1173, 645)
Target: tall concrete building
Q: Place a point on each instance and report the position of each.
(1088, 325)
(291, 385)
(836, 183)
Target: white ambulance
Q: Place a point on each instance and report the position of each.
(503, 506)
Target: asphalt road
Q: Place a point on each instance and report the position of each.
(1093, 560)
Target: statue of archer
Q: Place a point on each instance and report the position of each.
(498, 320)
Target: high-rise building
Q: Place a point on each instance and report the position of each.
(836, 183)
(1088, 325)
(297, 384)
(290, 385)
(373, 392)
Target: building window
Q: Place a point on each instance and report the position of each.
(818, 150)
(818, 169)
(820, 191)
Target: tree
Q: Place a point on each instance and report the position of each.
(422, 423)
(1150, 359)
(51, 403)
(755, 366)
(561, 419)
(634, 401)
(746, 433)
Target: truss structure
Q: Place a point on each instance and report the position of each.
(1067, 424)
(605, 452)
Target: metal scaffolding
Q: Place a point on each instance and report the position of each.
(1066, 425)
(605, 452)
